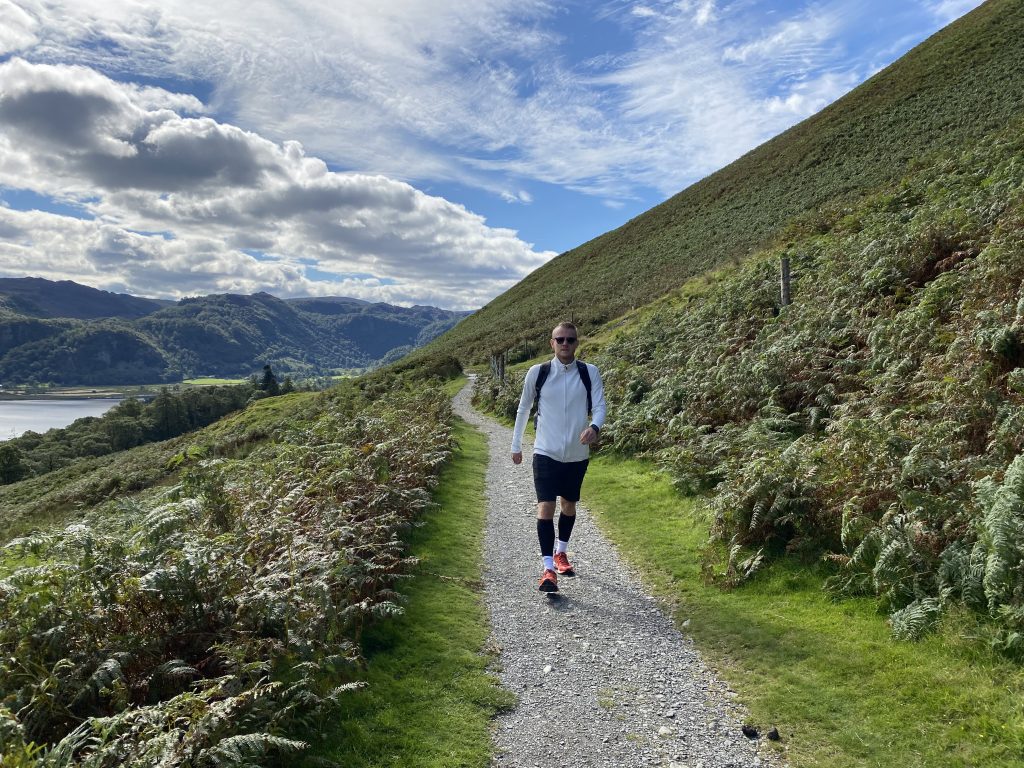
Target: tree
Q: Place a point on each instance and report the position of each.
(130, 407)
(168, 416)
(11, 467)
(124, 432)
(269, 383)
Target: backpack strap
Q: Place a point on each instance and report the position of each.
(542, 376)
(585, 378)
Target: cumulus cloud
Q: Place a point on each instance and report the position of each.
(213, 190)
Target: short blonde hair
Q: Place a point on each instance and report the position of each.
(565, 324)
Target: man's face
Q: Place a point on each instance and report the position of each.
(563, 343)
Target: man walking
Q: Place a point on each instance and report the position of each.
(570, 414)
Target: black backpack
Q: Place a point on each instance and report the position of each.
(542, 376)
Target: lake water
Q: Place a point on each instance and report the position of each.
(19, 416)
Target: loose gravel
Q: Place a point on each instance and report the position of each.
(603, 676)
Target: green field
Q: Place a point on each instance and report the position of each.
(208, 380)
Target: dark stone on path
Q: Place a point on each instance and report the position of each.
(750, 732)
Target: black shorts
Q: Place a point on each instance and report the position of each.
(558, 478)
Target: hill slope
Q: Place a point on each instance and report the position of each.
(956, 87)
(39, 298)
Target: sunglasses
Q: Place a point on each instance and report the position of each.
(565, 339)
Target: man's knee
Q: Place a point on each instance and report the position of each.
(567, 507)
(545, 510)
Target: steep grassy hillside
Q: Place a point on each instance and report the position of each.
(956, 87)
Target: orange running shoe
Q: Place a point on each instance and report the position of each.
(562, 565)
(548, 582)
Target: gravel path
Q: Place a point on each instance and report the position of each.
(602, 675)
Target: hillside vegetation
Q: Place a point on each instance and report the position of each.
(950, 91)
(878, 420)
(214, 620)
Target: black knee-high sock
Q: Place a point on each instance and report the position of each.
(565, 524)
(546, 534)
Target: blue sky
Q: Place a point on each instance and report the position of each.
(411, 151)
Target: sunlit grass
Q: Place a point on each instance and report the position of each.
(429, 699)
(204, 381)
(827, 674)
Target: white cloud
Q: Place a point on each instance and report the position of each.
(138, 166)
(705, 13)
(17, 28)
(810, 96)
(522, 196)
(643, 11)
(480, 94)
(797, 40)
(948, 10)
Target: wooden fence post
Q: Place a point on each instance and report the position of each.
(785, 281)
(498, 365)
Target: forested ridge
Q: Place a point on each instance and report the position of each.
(143, 342)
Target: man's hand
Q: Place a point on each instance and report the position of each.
(517, 458)
(588, 436)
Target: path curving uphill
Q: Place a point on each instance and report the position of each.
(603, 677)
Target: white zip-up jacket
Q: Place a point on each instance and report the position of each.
(562, 412)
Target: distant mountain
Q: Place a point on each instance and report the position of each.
(219, 335)
(36, 297)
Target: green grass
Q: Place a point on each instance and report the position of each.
(429, 701)
(827, 674)
(452, 386)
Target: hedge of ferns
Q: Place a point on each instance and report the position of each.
(878, 420)
(206, 626)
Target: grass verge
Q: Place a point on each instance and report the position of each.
(827, 674)
(430, 700)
